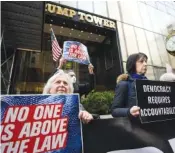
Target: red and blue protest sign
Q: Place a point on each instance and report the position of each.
(40, 123)
(76, 51)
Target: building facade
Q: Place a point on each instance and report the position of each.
(142, 27)
(128, 27)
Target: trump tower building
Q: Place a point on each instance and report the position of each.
(110, 30)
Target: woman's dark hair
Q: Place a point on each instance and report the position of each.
(131, 62)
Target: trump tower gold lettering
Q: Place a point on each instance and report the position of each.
(54, 9)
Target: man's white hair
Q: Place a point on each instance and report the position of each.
(169, 76)
(49, 83)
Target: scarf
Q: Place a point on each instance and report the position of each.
(138, 76)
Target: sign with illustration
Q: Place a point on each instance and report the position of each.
(40, 123)
(76, 51)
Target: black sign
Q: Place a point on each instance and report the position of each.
(156, 100)
(120, 135)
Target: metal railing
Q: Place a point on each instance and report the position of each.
(6, 67)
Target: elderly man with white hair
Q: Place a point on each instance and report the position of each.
(169, 75)
(61, 83)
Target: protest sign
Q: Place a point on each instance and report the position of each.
(121, 135)
(76, 51)
(40, 123)
(156, 100)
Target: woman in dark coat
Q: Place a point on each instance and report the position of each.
(124, 103)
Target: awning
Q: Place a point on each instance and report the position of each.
(22, 23)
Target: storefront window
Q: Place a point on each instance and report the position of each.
(32, 71)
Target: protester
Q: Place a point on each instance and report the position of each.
(124, 103)
(61, 83)
(63, 61)
(169, 75)
(72, 74)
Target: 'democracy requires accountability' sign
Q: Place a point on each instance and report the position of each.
(40, 123)
(121, 135)
(156, 100)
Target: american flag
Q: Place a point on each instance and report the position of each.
(56, 50)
